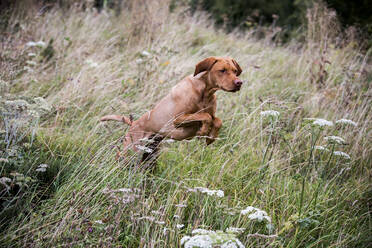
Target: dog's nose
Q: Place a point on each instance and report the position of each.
(238, 82)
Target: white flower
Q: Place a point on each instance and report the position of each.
(43, 166)
(259, 216)
(30, 62)
(99, 222)
(346, 122)
(41, 169)
(91, 63)
(209, 239)
(176, 216)
(180, 226)
(31, 43)
(181, 205)
(184, 239)
(201, 231)
(218, 193)
(144, 148)
(145, 53)
(38, 44)
(42, 104)
(236, 230)
(321, 148)
(322, 123)
(139, 61)
(335, 139)
(341, 154)
(31, 54)
(256, 214)
(4, 181)
(270, 113)
(27, 68)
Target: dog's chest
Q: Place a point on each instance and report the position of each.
(206, 105)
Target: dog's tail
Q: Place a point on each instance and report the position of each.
(120, 118)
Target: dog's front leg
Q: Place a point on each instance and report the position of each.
(204, 118)
(216, 125)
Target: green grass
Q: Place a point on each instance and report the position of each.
(314, 200)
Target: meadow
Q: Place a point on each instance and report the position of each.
(291, 166)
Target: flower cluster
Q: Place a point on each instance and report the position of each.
(346, 122)
(256, 214)
(341, 154)
(218, 193)
(207, 238)
(335, 140)
(270, 113)
(42, 168)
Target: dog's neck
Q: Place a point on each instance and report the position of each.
(210, 89)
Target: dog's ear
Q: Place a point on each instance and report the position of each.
(237, 67)
(205, 65)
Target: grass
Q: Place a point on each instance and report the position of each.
(315, 199)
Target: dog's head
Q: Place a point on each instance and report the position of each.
(223, 73)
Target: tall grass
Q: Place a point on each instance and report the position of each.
(106, 63)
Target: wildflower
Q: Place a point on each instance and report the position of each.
(256, 214)
(202, 231)
(145, 54)
(218, 193)
(335, 139)
(36, 44)
(180, 226)
(184, 239)
(31, 54)
(42, 168)
(341, 154)
(169, 141)
(32, 63)
(4, 181)
(176, 216)
(139, 61)
(149, 218)
(181, 205)
(91, 63)
(346, 122)
(99, 222)
(28, 69)
(321, 148)
(17, 104)
(322, 123)
(236, 230)
(211, 239)
(270, 113)
(144, 148)
(42, 104)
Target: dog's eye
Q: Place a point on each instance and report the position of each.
(223, 70)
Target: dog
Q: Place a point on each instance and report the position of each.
(188, 110)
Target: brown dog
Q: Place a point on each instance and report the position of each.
(189, 109)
